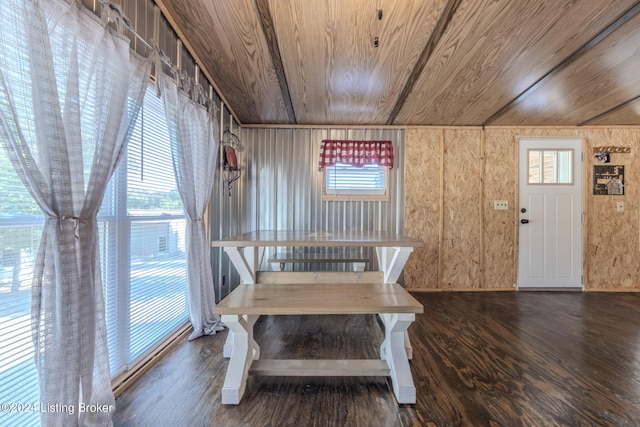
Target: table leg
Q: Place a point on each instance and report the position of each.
(228, 344)
(246, 261)
(391, 261)
(244, 351)
(407, 341)
(393, 352)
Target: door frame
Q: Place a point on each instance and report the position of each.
(584, 197)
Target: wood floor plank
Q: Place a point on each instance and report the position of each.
(479, 359)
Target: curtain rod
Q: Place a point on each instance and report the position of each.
(115, 15)
(112, 12)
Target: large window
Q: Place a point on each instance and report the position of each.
(143, 260)
(21, 224)
(143, 243)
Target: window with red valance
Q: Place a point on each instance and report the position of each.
(356, 153)
(355, 170)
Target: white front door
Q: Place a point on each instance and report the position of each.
(550, 213)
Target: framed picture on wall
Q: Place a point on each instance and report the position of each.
(608, 180)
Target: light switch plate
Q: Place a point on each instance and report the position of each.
(501, 205)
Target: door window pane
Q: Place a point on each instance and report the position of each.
(550, 166)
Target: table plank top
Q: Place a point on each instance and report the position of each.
(318, 238)
(330, 298)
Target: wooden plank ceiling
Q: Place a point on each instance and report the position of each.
(437, 62)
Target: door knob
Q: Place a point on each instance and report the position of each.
(524, 221)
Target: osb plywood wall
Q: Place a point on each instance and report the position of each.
(452, 177)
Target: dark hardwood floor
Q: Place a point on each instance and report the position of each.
(479, 359)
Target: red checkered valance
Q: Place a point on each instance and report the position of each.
(356, 153)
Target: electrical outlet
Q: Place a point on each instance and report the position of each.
(620, 206)
(501, 205)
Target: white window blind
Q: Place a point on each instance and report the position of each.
(144, 241)
(350, 180)
(143, 260)
(21, 224)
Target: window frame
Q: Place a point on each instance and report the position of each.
(557, 172)
(378, 194)
(119, 220)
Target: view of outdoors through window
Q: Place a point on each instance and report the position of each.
(21, 223)
(142, 250)
(155, 265)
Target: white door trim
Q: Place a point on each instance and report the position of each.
(544, 272)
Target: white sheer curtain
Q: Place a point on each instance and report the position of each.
(69, 93)
(194, 148)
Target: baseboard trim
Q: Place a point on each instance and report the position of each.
(427, 290)
(123, 381)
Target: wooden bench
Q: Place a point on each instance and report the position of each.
(279, 259)
(279, 296)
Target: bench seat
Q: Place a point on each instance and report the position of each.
(318, 298)
(245, 304)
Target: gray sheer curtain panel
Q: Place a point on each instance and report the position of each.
(194, 146)
(70, 91)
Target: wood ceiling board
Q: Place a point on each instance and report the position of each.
(627, 114)
(602, 79)
(335, 74)
(228, 39)
(493, 51)
(443, 22)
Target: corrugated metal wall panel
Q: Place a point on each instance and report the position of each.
(281, 189)
(226, 210)
(289, 185)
